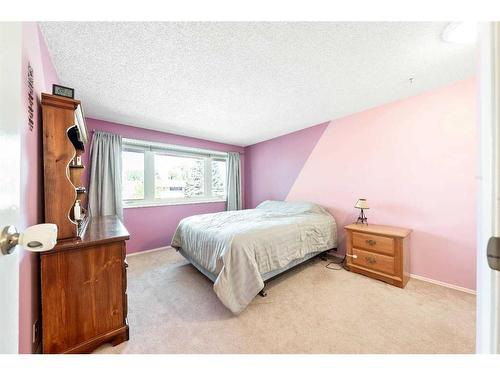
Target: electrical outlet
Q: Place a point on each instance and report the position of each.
(35, 332)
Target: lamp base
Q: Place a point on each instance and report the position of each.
(362, 219)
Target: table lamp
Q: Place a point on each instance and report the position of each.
(362, 204)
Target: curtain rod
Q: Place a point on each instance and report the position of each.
(143, 140)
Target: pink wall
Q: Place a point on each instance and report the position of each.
(415, 160)
(153, 227)
(34, 52)
(288, 155)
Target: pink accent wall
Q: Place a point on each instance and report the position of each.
(415, 160)
(272, 166)
(153, 227)
(34, 52)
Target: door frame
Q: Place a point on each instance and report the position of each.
(11, 34)
(488, 281)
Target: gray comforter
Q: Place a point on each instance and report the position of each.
(240, 246)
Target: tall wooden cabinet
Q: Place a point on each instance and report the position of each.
(84, 278)
(62, 144)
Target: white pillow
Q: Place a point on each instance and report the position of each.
(290, 207)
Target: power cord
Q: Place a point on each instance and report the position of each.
(337, 265)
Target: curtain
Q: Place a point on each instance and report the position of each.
(105, 190)
(233, 178)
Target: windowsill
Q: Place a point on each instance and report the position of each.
(159, 204)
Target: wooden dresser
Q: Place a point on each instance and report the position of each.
(379, 251)
(84, 284)
(84, 278)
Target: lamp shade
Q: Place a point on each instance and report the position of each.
(362, 203)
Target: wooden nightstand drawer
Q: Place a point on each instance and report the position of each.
(371, 242)
(374, 261)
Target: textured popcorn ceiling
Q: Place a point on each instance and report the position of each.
(242, 83)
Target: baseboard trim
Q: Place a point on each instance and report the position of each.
(446, 285)
(148, 251)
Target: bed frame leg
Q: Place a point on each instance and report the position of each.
(263, 292)
(324, 256)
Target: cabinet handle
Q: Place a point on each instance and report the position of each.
(371, 260)
(371, 242)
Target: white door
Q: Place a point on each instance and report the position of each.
(488, 280)
(10, 154)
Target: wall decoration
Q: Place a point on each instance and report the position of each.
(31, 96)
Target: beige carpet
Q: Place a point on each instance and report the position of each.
(172, 309)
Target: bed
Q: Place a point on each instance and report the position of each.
(240, 250)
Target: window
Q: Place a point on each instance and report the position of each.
(179, 177)
(133, 175)
(219, 177)
(155, 174)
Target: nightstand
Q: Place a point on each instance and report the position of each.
(379, 251)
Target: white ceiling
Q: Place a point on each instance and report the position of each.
(242, 83)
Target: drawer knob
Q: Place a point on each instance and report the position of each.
(371, 260)
(371, 242)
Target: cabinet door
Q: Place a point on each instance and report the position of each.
(82, 295)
